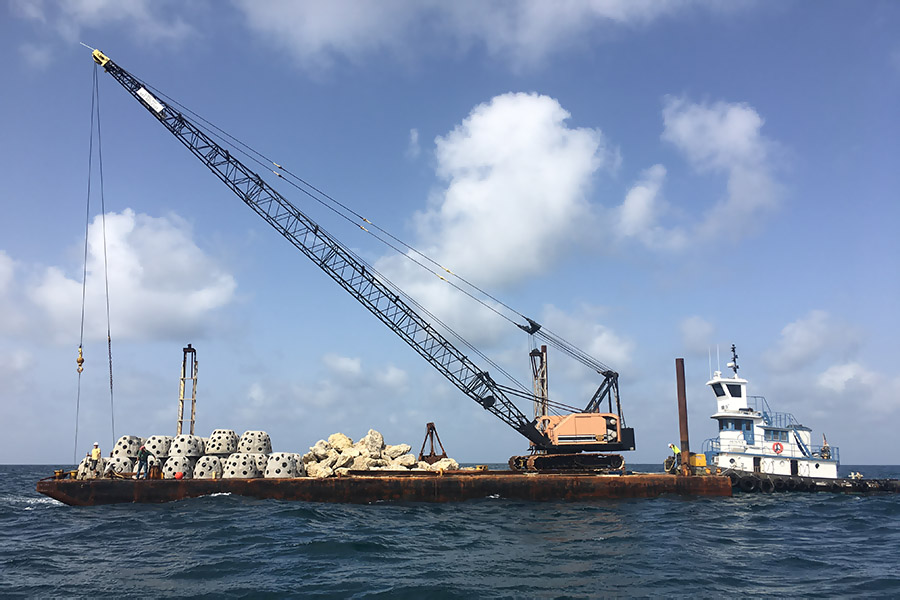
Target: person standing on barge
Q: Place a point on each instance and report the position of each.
(142, 455)
(95, 458)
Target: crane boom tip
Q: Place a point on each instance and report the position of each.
(100, 58)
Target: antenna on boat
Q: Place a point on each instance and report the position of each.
(733, 364)
(718, 360)
(709, 353)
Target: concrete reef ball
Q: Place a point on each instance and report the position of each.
(158, 445)
(127, 446)
(222, 441)
(179, 464)
(208, 467)
(255, 441)
(187, 445)
(119, 464)
(84, 470)
(281, 464)
(240, 466)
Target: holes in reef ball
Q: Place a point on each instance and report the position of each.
(245, 472)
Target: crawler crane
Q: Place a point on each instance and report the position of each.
(574, 441)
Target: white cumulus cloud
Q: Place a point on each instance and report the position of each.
(520, 33)
(810, 338)
(515, 200)
(640, 214)
(413, 149)
(837, 377)
(146, 20)
(697, 334)
(725, 137)
(161, 284)
(343, 365)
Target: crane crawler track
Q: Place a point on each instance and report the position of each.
(568, 463)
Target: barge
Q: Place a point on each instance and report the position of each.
(365, 487)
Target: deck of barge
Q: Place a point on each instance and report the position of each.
(366, 487)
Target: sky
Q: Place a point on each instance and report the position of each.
(647, 179)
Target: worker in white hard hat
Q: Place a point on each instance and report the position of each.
(95, 457)
(675, 449)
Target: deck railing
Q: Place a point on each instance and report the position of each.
(763, 446)
(770, 417)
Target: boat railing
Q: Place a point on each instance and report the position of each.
(762, 446)
(770, 417)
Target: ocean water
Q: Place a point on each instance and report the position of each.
(759, 545)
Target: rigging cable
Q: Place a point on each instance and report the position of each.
(324, 199)
(87, 223)
(112, 412)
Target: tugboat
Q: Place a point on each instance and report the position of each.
(761, 449)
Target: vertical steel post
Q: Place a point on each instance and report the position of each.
(188, 372)
(683, 417)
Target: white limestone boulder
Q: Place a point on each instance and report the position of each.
(320, 450)
(342, 460)
(317, 471)
(222, 441)
(240, 466)
(330, 459)
(445, 464)
(404, 461)
(187, 445)
(208, 467)
(257, 442)
(373, 443)
(393, 452)
(339, 441)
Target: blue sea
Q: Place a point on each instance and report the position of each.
(758, 545)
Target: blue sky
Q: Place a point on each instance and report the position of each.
(649, 180)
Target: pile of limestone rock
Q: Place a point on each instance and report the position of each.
(339, 455)
(225, 456)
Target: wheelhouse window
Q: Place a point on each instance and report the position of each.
(717, 388)
(735, 425)
(734, 389)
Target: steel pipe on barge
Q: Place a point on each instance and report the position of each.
(367, 487)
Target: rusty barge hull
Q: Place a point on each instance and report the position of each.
(387, 487)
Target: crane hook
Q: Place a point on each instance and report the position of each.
(80, 361)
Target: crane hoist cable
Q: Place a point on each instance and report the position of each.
(357, 219)
(95, 112)
(324, 199)
(330, 202)
(112, 411)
